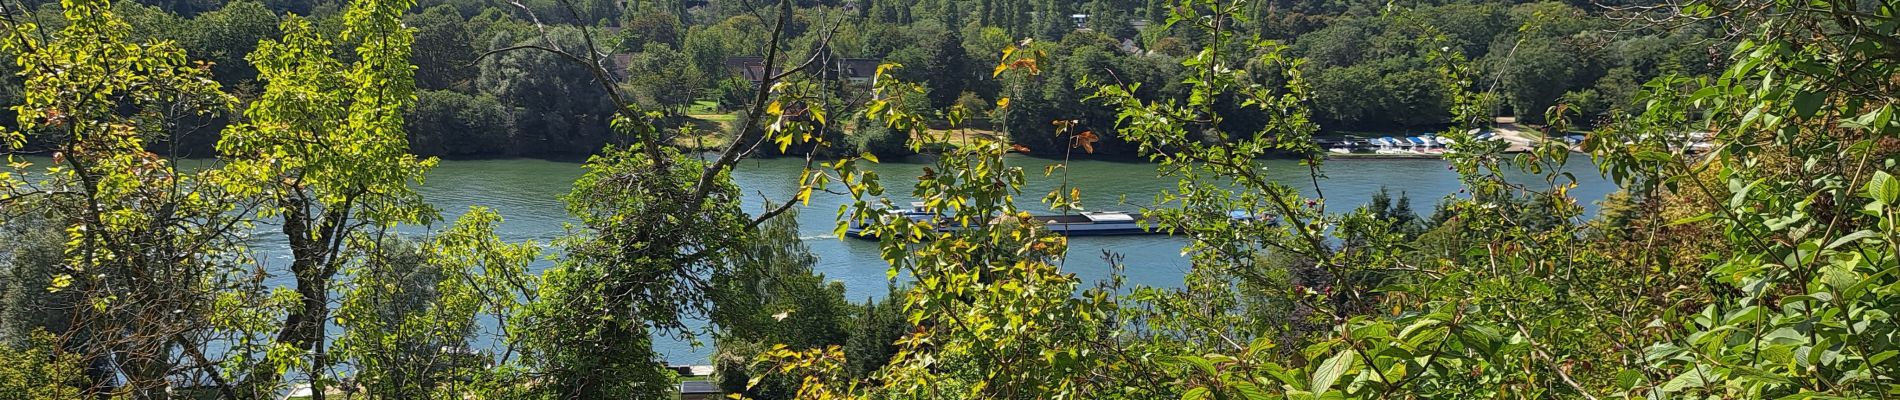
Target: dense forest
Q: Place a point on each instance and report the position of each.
(1367, 70)
(1762, 265)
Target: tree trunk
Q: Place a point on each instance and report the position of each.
(304, 325)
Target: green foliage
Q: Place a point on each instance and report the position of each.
(554, 100)
(411, 311)
(455, 124)
(1785, 244)
(633, 266)
(770, 293)
(225, 36)
(874, 334)
(1758, 266)
(323, 149)
(141, 238)
(32, 252)
(664, 78)
(770, 297)
(444, 54)
(35, 369)
(876, 138)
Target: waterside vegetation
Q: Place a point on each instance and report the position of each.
(1763, 267)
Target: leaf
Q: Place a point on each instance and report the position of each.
(1086, 141)
(1850, 238)
(1807, 103)
(1251, 391)
(1330, 371)
(1688, 379)
(1002, 102)
(1883, 188)
(1690, 220)
(1203, 364)
(60, 282)
(1197, 393)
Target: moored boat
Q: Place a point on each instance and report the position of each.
(916, 213)
(1100, 223)
(1094, 223)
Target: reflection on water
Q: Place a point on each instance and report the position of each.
(527, 195)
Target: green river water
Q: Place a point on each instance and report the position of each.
(526, 193)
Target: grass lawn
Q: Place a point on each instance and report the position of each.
(954, 137)
(722, 118)
(703, 107)
(709, 131)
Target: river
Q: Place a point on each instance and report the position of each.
(526, 193)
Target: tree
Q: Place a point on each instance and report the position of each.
(1052, 21)
(36, 370)
(143, 239)
(1534, 78)
(448, 123)
(560, 98)
(444, 55)
(32, 254)
(942, 66)
(410, 312)
(225, 36)
(664, 78)
(769, 298)
(637, 262)
(650, 28)
(874, 334)
(323, 146)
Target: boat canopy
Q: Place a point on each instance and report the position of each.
(1109, 216)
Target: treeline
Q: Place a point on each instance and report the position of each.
(1367, 67)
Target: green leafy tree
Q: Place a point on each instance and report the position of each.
(770, 297)
(559, 96)
(143, 239)
(32, 253)
(636, 261)
(664, 78)
(225, 36)
(323, 147)
(411, 315)
(651, 28)
(36, 370)
(450, 123)
(444, 53)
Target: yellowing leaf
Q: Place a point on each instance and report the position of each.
(60, 282)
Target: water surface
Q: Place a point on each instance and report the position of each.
(526, 193)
